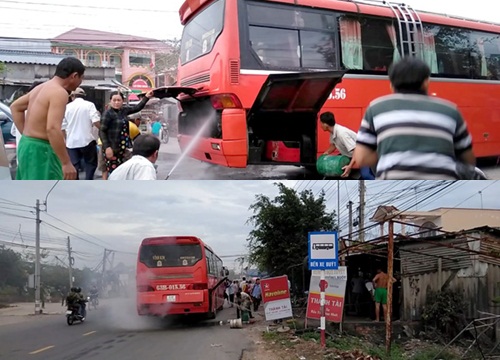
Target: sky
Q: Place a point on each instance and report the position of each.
(157, 19)
(118, 215)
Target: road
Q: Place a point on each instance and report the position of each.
(114, 331)
(194, 169)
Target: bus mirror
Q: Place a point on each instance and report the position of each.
(226, 272)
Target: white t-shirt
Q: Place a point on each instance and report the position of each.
(80, 117)
(137, 168)
(344, 140)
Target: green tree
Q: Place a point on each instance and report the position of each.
(281, 226)
(13, 273)
(3, 67)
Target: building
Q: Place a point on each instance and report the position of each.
(27, 61)
(139, 62)
(445, 219)
(466, 261)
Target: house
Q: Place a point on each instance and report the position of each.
(138, 62)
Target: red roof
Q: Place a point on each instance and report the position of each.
(79, 36)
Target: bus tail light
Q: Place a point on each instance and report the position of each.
(201, 286)
(225, 101)
(144, 288)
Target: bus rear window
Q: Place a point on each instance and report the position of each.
(175, 255)
(201, 32)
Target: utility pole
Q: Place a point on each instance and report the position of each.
(70, 263)
(37, 260)
(361, 210)
(103, 268)
(390, 272)
(349, 206)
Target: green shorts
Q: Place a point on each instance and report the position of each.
(37, 160)
(381, 295)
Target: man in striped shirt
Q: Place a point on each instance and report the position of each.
(411, 135)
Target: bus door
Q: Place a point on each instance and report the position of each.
(284, 116)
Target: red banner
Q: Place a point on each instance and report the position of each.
(333, 307)
(275, 289)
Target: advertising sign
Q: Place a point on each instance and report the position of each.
(323, 250)
(276, 298)
(334, 294)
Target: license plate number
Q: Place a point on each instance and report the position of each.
(68, 312)
(171, 298)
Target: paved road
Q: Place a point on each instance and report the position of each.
(114, 331)
(194, 169)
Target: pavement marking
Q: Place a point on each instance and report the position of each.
(89, 333)
(40, 350)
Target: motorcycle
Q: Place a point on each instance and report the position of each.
(164, 133)
(72, 313)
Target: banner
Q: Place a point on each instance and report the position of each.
(276, 298)
(334, 294)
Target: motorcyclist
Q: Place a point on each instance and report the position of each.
(72, 300)
(81, 300)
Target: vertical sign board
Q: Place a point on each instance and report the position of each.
(334, 295)
(323, 251)
(276, 298)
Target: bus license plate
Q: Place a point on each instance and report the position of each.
(171, 298)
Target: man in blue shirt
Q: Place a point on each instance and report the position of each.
(256, 295)
(155, 128)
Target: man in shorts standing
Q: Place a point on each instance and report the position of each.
(42, 149)
(381, 281)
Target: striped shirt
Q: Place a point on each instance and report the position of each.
(415, 136)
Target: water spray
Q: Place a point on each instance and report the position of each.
(190, 146)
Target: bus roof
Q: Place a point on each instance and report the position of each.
(369, 7)
(173, 239)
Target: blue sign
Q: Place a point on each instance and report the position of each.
(323, 251)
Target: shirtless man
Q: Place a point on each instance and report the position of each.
(381, 281)
(42, 152)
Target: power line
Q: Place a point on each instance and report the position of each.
(72, 6)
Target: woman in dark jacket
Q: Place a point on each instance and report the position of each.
(114, 131)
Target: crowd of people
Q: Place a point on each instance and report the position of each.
(57, 133)
(245, 295)
(404, 135)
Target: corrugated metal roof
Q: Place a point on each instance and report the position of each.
(30, 57)
(419, 258)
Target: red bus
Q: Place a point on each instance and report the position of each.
(259, 72)
(179, 275)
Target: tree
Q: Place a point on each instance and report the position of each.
(3, 67)
(13, 273)
(281, 226)
(167, 63)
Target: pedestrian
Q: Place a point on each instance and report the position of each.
(358, 288)
(343, 139)
(244, 303)
(141, 165)
(114, 131)
(156, 127)
(42, 150)
(232, 290)
(381, 281)
(80, 118)
(411, 135)
(256, 295)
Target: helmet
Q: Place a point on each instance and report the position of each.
(78, 289)
(73, 289)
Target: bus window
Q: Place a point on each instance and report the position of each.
(171, 255)
(275, 47)
(283, 36)
(200, 33)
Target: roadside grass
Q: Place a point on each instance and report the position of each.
(347, 343)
